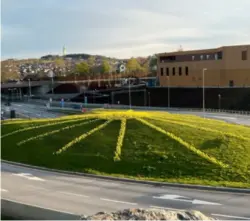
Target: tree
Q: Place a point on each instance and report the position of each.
(153, 63)
(82, 68)
(91, 61)
(105, 68)
(133, 65)
(60, 62)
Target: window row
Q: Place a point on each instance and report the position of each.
(174, 70)
(192, 57)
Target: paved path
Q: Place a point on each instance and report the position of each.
(81, 195)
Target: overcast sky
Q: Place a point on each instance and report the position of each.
(120, 28)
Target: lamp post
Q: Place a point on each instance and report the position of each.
(129, 92)
(29, 87)
(168, 91)
(52, 84)
(149, 99)
(203, 90)
(219, 101)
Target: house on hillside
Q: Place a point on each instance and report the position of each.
(121, 68)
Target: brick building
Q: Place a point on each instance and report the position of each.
(227, 66)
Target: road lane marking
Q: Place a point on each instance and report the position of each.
(37, 187)
(117, 201)
(41, 207)
(73, 194)
(176, 198)
(236, 217)
(4, 190)
(28, 176)
(159, 207)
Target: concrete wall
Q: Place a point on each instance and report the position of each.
(16, 210)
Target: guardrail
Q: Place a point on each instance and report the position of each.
(75, 105)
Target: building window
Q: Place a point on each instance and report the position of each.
(244, 55)
(167, 71)
(186, 70)
(201, 57)
(231, 83)
(180, 71)
(161, 71)
(173, 71)
(219, 55)
(193, 58)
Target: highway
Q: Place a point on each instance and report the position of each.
(84, 195)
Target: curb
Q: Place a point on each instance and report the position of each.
(153, 183)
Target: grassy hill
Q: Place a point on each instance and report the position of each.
(141, 145)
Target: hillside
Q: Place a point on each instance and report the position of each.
(64, 66)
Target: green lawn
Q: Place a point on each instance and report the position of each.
(146, 152)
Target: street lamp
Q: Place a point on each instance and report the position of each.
(168, 91)
(29, 87)
(149, 99)
(219, 101)
(129, 91)
(203, 90)
(52, 83)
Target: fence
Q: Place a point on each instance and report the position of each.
(79, 106)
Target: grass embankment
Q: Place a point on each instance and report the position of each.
(142, 145)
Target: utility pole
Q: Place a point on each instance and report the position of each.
(203, 90)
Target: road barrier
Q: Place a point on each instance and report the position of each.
(17, 210)
(79, 106)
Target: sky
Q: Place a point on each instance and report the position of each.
(120, 28)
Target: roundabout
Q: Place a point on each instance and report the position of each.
(156, 146)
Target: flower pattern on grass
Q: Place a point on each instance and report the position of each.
(41, 126)
(55, 131)
(120, 139)
(83, 136)
(184, 143)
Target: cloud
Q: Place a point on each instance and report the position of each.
(120, 28)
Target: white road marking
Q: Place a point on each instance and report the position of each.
(223, 117)
(4, 190)
(193, 201)
(158, 207)
(73, 194)
(236, 217)
(28, 176)
(37, 187)
(117, 201)
(33, 205)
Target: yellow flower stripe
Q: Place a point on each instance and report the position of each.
(55, 131)
(83, 136)
(201, 128)
(40, 126)
(184, 143)
(40, 120)
(120, 140)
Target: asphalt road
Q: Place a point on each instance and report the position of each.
(81, 195)
(38, 111)
(231, 118)
(32, 111)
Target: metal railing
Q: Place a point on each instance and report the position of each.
(79, 106)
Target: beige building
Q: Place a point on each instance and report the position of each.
(227, 66)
